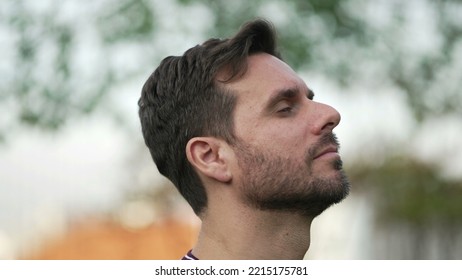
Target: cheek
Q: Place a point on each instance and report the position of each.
(293, 135)
(286, 137)
(284, 140)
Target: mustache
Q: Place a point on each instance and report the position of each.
(326, 139)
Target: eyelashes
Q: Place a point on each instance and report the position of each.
(286, 110)
(289, 106)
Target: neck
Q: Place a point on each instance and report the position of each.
(253, 234)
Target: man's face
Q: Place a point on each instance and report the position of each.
(286, 152)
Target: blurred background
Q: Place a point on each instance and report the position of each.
(77, 182)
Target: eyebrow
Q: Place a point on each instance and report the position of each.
(284, 94)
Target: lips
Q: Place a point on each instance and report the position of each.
(328, 150)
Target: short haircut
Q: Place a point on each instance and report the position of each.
(183, 99)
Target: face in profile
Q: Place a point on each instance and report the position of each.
(287, 155)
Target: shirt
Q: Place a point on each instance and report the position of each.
(189, 257)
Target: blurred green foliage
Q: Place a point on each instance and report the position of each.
(411, 191)
(127, 20)
(333, 37)
(415, 208)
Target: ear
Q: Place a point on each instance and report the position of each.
(208, 155)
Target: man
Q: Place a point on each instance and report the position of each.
(238, 133)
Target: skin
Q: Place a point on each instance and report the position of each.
(274, 112)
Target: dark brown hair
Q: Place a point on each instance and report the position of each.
(183, 99)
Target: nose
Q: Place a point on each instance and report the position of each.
(327, 118)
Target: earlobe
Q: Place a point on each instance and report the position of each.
(207, 156)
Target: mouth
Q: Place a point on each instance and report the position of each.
(327, 152)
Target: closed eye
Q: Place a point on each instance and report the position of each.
(286, 107)
(286, 110)
(286, 101)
